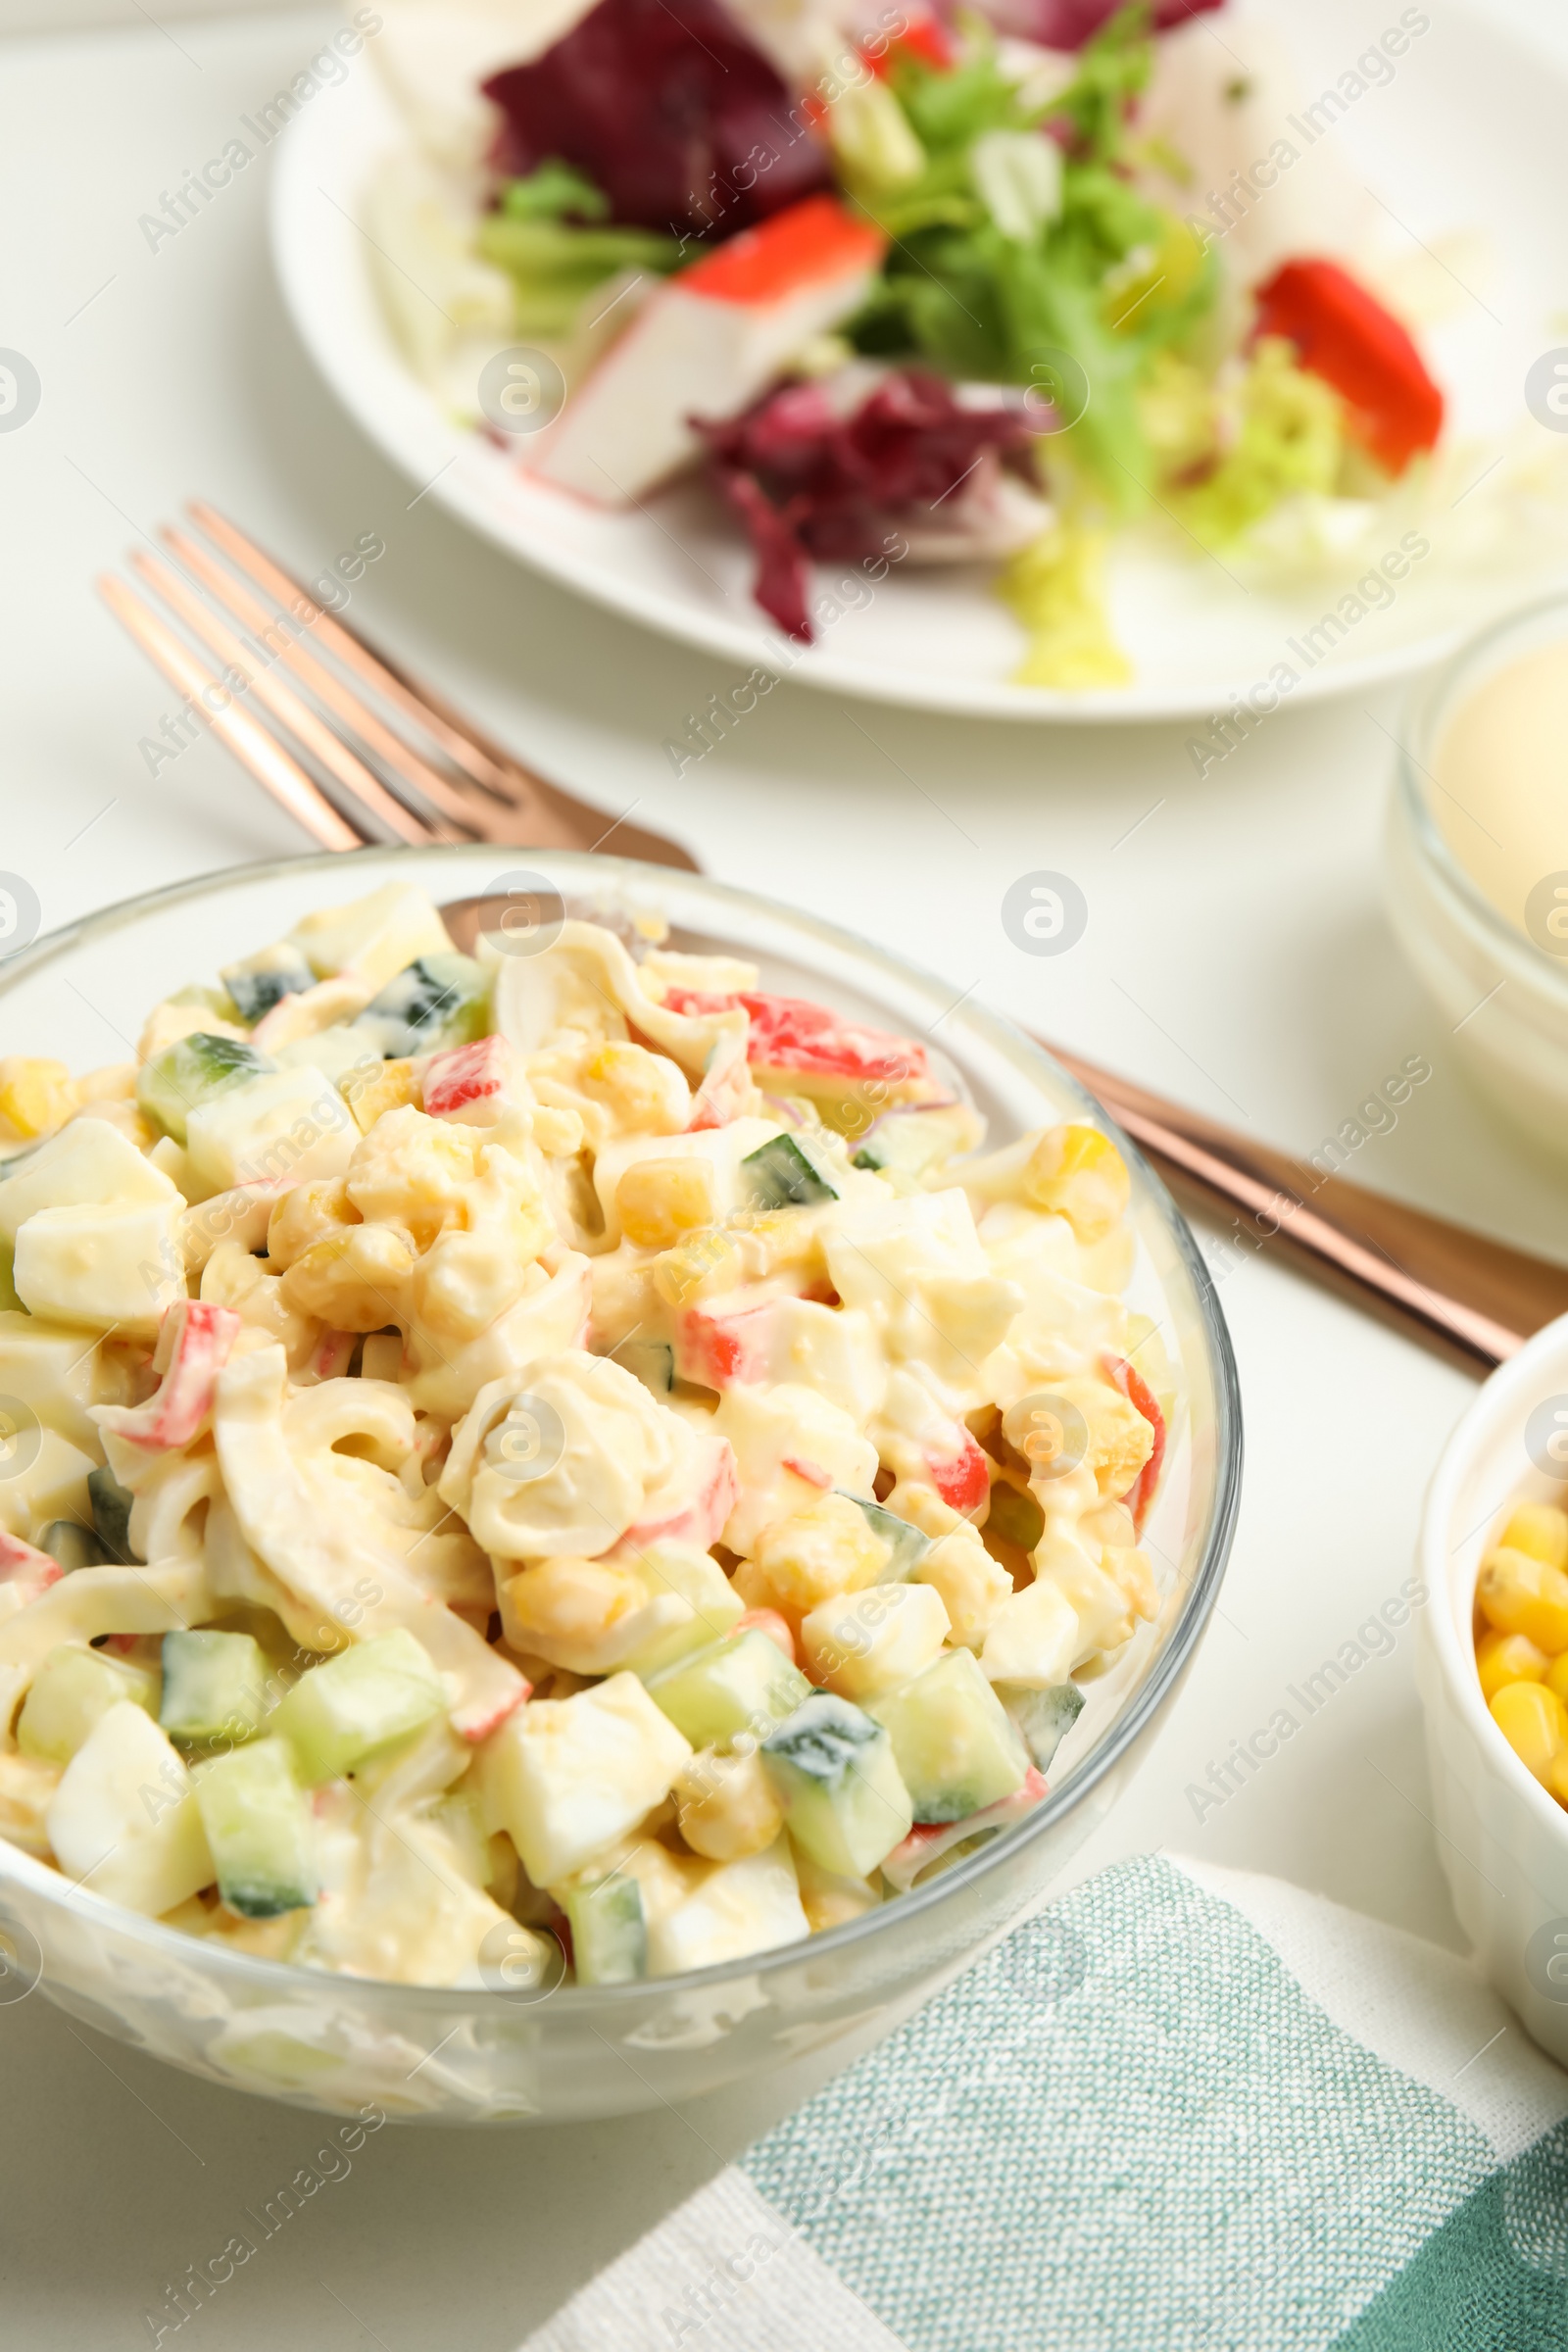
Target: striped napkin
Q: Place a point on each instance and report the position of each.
(1182, 2111)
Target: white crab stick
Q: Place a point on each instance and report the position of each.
(706, 344)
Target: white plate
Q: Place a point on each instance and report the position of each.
(1465, 138)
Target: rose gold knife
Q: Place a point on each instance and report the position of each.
(1460, 1291)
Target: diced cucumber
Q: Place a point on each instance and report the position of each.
(782, 1174)
(258, 1830)
(194, 1070)
(1014, 1515)
(72, 1544)
(342, 1711)
(214, 1687)
(1045, 1717)
(609, 1929)
(72, 1689)
(742, 1684)
(915, 1141)
(438, 1002)
(652, 1361)
(958, 1749)
(111, 1514)
(260, 982)
(907, 1545)
(834, 1773)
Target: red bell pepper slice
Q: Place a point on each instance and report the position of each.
(1344, 334)
(1140, 1396)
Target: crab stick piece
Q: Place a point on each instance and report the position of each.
(707, 342)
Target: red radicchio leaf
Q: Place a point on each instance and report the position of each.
(665, 105)
(783, 574)
(806, 482)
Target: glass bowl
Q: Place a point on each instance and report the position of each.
(1504, 996)
(334, 2042)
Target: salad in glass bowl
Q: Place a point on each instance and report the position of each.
(910, 287)
(553, 1461)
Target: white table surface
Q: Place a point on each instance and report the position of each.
(1237, 955)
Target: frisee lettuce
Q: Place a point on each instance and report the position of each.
(1101, 273)
(545, 234)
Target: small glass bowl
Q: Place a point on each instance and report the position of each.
(334, 2042)
(1504, 997)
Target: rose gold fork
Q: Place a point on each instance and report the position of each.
(357, 751)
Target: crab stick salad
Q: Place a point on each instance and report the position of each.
(562, 1446)
(997, 286)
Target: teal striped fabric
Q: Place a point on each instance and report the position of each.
(1176, 2113)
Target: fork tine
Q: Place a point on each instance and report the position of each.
(484, 762)
(242, 733)
(553, 817)
(354, 714)
(284, 704)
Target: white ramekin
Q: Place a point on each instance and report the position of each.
(1504, 997)
(1503, 1837)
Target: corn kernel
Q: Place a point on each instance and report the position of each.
(829, 1547)
(660, 1199)
(1080, 1174)
(645, 1092)
(726, 1806)
(1509, 1659)
(1535, 1724)
(387, 1087)
(1555, 1677)
(1519, 1595)
(569, 1610)
(306, 1215)
(35, 1097)
(352, 1280)
(1541, 1530)
(1104, 1433)
(752, 1586)
(414, 1171)
(1557, 1778)
(702, 1261)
